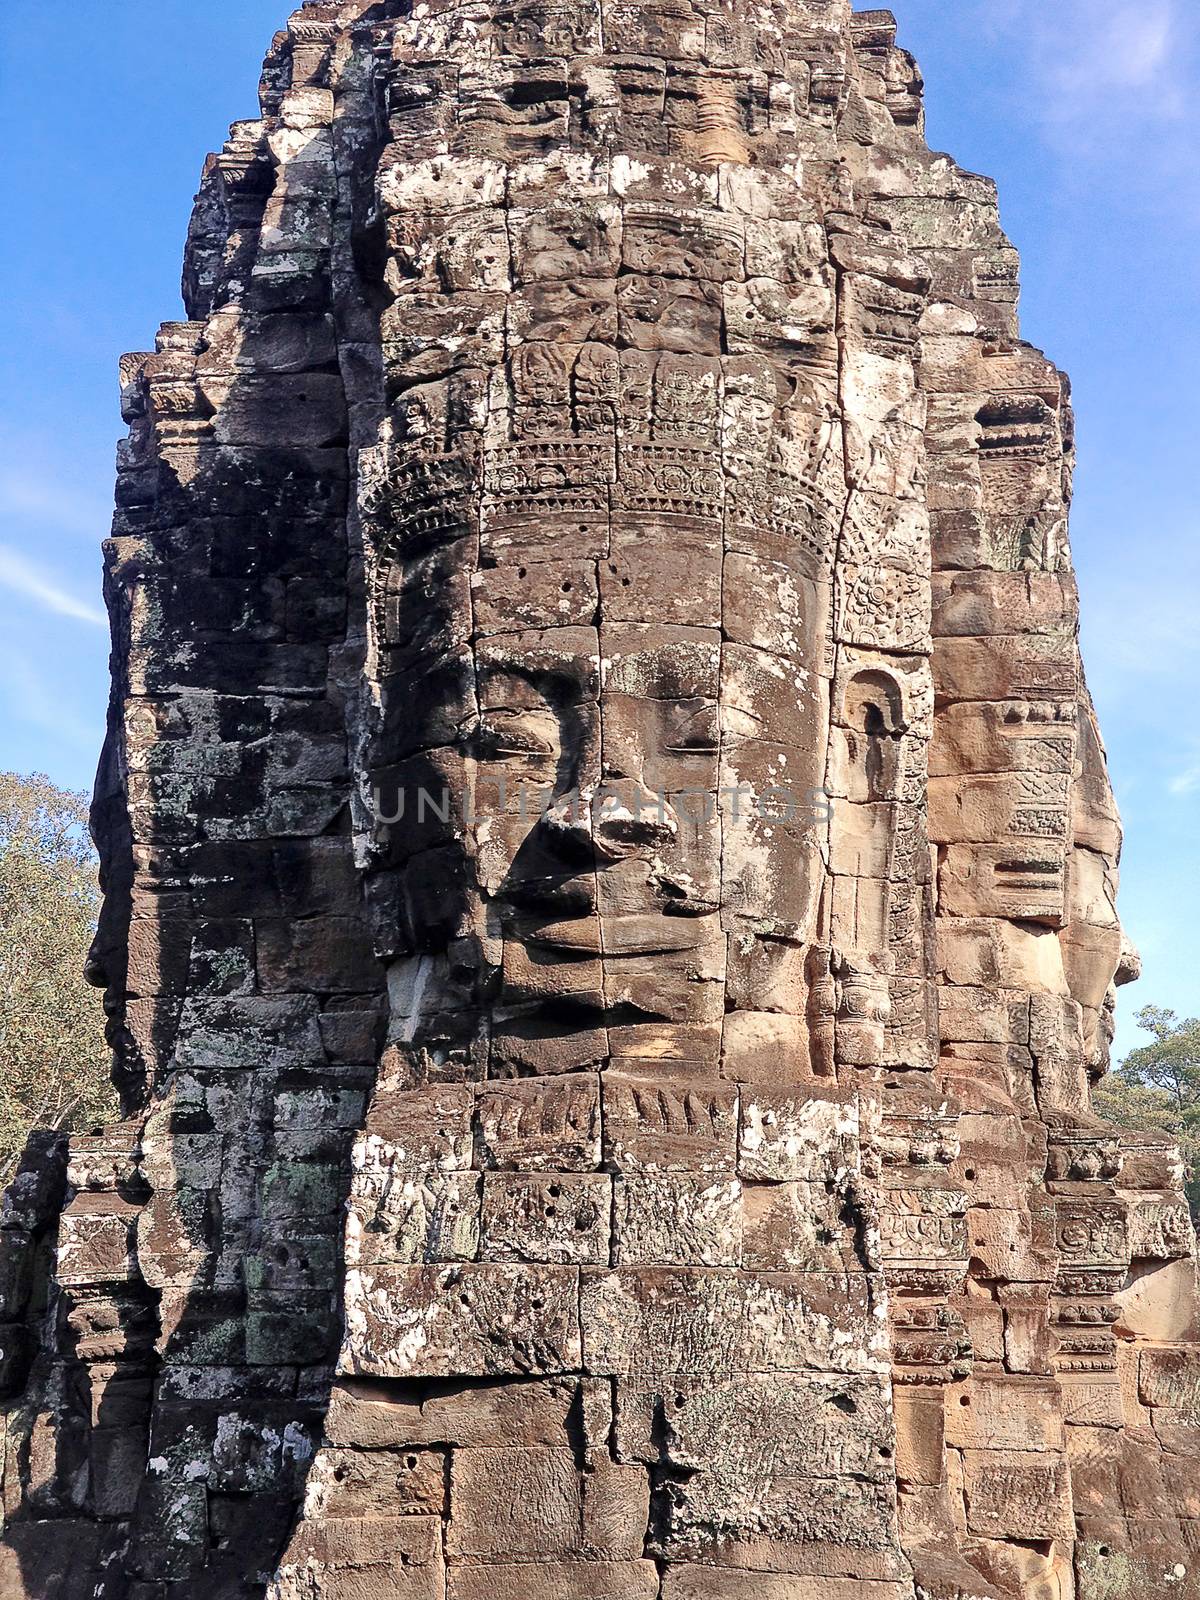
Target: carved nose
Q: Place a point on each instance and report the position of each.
(564, 834)
(628, 817)
(95, 970)
(1129, 969)
(619, 819)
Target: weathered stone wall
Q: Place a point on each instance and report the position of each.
(610, 873)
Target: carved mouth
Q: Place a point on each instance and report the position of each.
(545, 899)
(565, 1015)
(608, 914)
(616, 937)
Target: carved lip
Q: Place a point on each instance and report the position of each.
(627, 934)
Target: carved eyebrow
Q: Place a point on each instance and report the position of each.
(556, 685)
(515, 732)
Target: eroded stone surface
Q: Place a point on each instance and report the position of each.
(610, 872)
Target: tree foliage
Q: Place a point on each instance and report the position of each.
(54, 1064)
(1157, 1088)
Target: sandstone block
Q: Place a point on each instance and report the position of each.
(565, 1219)
(669, 1125)
(797, 1137)
(414, 1216)
(586, 1580)
(541, 1127)
(677, 1219)
(468, 1321)
(1004, 1413)
(785, 1424)
(1171, 1379)
(1018, 1494)
(798, 1227)
(535, 1505)
(352, 1484)
(691, 1321)
(364, 1558)
(718, 1583)
(536, 1413)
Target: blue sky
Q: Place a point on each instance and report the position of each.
(1084, 111)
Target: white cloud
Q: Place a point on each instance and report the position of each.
(1186, 782)
(1105, 70)
(30, 700)
(1134, 655)
(31, 497)
(1127, 48)
(24, 579)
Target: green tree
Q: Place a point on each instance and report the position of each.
(1157, 1088)
(54, 1064)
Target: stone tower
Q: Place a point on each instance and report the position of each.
(610, 873)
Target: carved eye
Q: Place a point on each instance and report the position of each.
(693, 728)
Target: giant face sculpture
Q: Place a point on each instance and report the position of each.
(606, 425)
(643, 731)
(603, 651)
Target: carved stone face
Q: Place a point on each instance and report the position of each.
(601, 548)
(620, 794)
(604, 875)
(659, 396)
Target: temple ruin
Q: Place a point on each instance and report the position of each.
(610, 869)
